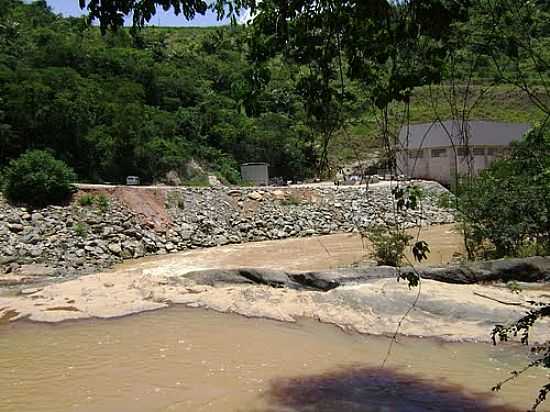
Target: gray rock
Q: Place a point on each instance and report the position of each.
(30, 291)
(533, 269)
(139, 250)
(115, 248)
(214, 181)
(255, 196)
(14, 219)
(16, 227)
(6, 260)
(36, 251)
(37, 217)
(36, 270)
(127, 250)
(186, 231)
(172, 178)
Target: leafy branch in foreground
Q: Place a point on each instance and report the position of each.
(405, 198)
(522, 327)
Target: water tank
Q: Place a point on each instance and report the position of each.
(257, 173)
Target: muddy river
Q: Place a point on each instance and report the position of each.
(182, 359)
(311, 253)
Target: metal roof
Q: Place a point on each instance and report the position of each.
(447, 133)
(255, 164)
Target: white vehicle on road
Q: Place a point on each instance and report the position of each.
(132, 181)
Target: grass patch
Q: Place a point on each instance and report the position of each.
(291, 200)
(101, 201)
(246, 183)
(81, 230)
(199, 181)
(86, 200)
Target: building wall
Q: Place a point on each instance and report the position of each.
(414, 164)
(442, 163)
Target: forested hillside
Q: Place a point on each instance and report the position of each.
(118, 105)
(148, 102)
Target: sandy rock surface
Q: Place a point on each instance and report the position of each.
(454, 312)
(294, 278)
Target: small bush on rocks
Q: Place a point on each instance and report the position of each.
(291, 200)
(81, 230)
(102, 202)
(38, 179)
(388, 245)
(86, 200)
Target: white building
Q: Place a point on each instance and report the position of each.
(440, 150)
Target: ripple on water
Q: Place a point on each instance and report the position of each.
(192, 360)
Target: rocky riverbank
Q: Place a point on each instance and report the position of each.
(75, 239)
(367, 300)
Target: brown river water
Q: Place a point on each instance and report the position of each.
(182, 359)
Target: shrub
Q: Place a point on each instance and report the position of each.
(81, 230)
(514, 287)
(507, 206)
(445, 200)
(291, 200)
(102, 202)
(388, 245)
(198, 181)
(228, 172)
(174, 200)
(37, 179)
(86, 200)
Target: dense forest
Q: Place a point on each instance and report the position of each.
(149, 101)
(118, 104)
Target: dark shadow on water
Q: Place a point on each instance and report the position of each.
(373, 390)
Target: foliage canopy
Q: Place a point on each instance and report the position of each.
(508, 206)
(38, 179)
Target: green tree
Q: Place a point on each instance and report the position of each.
(38, 179)
(508, 205)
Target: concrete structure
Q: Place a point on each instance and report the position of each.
(441, 150)
(257, 173)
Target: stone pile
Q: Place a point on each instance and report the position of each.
(62, 241)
